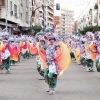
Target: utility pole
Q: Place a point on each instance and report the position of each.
(43, 7)
(6, 5)
(43, 15)
(97, 11)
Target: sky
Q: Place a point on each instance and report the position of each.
(75, 5)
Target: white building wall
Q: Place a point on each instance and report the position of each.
(87, 19)
(99, 12)
(18, 20)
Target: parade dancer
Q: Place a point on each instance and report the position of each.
(73, 46)
(91, 56)
(24, 48)
(83, 55)
(51, 71)
(5, 57)
(98, 57)
(42, 48)
(14, 52)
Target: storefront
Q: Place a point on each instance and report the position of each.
(24, 30)
(16, 30)
(9, 25)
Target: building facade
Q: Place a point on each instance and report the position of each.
(49, 13)
(67, 21)
(75, 27)
(18, 15)
(90, 15)
(37, 15)
(64, 22)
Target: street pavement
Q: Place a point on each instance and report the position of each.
(23, 84)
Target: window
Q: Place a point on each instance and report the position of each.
(10, 5)
(26, 17)
(15, 8)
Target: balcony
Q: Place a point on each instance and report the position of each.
(50, 10)
(41, 15)
(41, 10)
(50, 21)
(50, 16)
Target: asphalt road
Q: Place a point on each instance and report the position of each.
(23, 84)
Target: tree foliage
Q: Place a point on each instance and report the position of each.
(89, 28)
(35, 28)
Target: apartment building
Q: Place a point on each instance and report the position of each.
(49, 12)
(90, 15)
(18, 15)
(37, 15)
(67, 21)
(75, 27)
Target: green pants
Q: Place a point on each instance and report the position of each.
(12, 61)
(82, 60)
(5, 64)
(89, 63)
(41, 72)
(50, 79)
(19, 58)
(98, 65)
(72, 55)
(26, 55)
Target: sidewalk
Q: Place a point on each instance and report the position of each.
(23, 84)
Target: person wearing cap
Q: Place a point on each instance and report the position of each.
(1, 50)
(78, 52)
(24, 48)
(14, 52)
(91, 53)
(73, 46)
(51, 72)
(83, 55)
(5, 57)
(42, 47)
(17, 42)
(98, 56)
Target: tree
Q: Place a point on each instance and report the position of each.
(35, 28)
(90, 28)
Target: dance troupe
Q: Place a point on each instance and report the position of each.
(53, 53)
(12, 48)
(85, 50)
